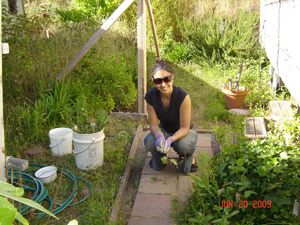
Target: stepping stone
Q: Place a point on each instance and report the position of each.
(240, 111)
(280, 109)
(255, 128)
(152, 206)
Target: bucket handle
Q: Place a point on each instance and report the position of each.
(77, 153)
(52, 146)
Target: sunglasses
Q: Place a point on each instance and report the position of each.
(166, 80)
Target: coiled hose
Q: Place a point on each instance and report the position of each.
(40, 193)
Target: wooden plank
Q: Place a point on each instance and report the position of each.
(153, 27)
(275, 109)
(286, 109)
(93, 40)
(141, 46)
(133, 116)
(255, 128)
(280, 109)
(124, 181)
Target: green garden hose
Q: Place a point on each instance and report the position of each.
(40, 193)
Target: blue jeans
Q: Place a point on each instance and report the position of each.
(185, 147)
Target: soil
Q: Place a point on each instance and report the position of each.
(134, 181)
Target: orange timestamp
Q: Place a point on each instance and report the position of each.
(256, 204)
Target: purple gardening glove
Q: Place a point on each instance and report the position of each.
(167, 145)
(160, 140)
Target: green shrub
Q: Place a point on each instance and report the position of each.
(261, 178)
(214, 38)
(82, 10)
(111, 81)
(174, 51)
(72, 15)
(286, 131)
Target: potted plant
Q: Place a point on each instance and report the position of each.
(88, 140)
(234, 94)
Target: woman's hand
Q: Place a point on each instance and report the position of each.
(160, 140)
(167, 145)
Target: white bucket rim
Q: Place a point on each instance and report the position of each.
(74, 129)
(45, 172)
(90, 142)
(59, 137)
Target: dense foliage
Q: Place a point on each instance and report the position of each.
(214, 38)
(260, 179)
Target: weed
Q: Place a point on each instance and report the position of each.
(154, 179)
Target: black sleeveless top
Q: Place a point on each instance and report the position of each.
(169, 117)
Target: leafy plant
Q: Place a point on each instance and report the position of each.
(286, 131)
(112, 83)
(8, 213)
(213, 37)
(84, 127)
(58, 103)
(164, 159)
(174, 51)
(249, 172)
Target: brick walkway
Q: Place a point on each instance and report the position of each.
(157, 189)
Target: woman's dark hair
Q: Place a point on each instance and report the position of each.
(161, 64)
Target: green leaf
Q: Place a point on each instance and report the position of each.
(25, 201)
(283, 201)
(233, 213)
(11, 189)
(21, 219)
(240, 162)
(7, 212)
(173, 161)
(241, 168)
(218, 220)
(262, 171)
(164, 160)
(246, 182)
(248, 193)
(222, 167)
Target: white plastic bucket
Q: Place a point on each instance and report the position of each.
(88, 150)
(46, 174)
(61, 140)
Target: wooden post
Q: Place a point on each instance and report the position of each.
(93, 40)
(153, 27)
(2, 154)
(141, 39)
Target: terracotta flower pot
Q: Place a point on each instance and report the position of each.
(234, 99)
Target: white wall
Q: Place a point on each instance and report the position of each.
(2, 155)
(20, 6)
(280, 36)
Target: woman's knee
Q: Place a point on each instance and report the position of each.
(149, 142)
(187, 145)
